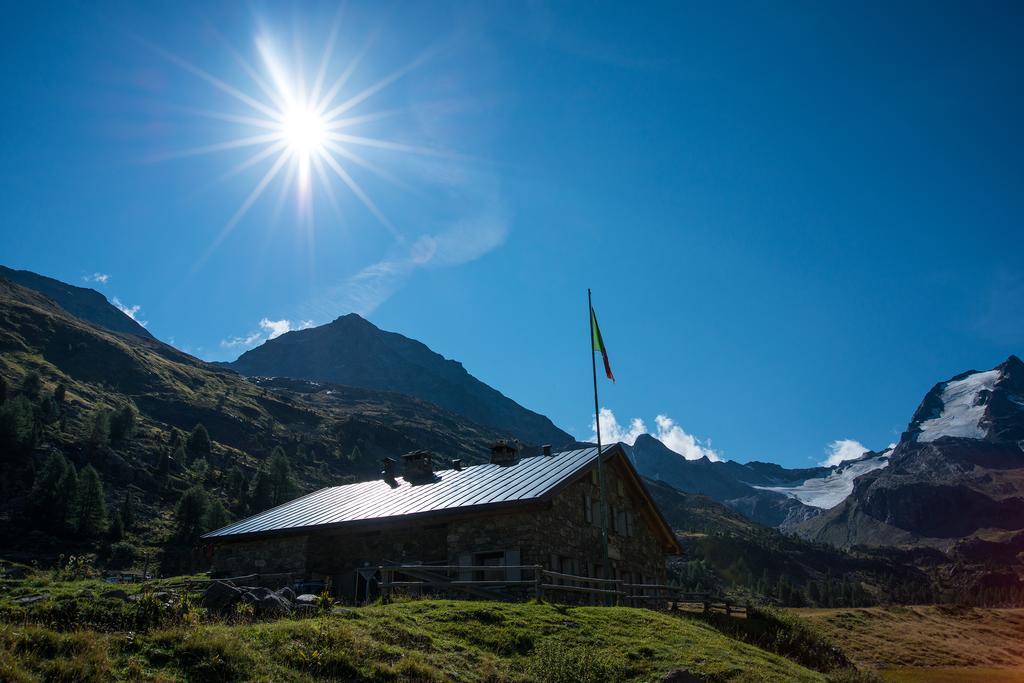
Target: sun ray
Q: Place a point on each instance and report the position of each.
(335, 88)
(321, 173)
(321, 72)
(335, 124)
(251, 161)
(354, 187)
(230, 118)
(220, 146)
(372, 168)
(382, 144)
(213, 80)
(375, 88)
(253, 196)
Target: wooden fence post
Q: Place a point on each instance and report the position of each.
(538, 583)
(385, 594)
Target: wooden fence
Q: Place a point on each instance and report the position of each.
(525, 581)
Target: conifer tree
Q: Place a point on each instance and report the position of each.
(280, 474)
(128, 511)
(49, 500)
(90, 506)
(99, 436)
(262, 496)
(59, 394)
(116, 532)
(122, 423)
(190, 512)
(32, 385)
(217, 515)
(18, 431)
(68, 496)
(3, 390)
(199, 443)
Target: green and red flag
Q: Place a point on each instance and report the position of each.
(598, 344)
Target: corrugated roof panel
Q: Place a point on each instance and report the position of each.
(527, 479)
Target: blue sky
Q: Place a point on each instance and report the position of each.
(795, 217)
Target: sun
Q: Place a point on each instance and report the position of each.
(304, 126)
(304, 131)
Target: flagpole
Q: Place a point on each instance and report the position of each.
(597, 429)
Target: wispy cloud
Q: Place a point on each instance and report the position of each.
(98, 278)
(130, 311)
(841, 450)
(242, 342)
(667, 432)
(461, 242)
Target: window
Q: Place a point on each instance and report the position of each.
(620, 487)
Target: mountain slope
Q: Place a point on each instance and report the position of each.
(728, 482)
(733, 553)
(955, 483)
(330, 434)
(354, 352)
(81, 302)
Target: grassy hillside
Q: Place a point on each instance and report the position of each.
(73, 633)
(925, 636)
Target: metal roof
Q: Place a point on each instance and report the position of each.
(528, 480)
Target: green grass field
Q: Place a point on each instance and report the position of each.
(416, 640)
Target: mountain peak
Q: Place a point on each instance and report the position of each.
(980, 405)
(81, 302)
(352, 351)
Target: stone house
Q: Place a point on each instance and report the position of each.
(542, 510)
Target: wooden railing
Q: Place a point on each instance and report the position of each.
(641, 594)
(543, 584)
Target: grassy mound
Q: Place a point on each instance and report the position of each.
(416, 640)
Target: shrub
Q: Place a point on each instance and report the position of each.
(785, 635)
(122, 555)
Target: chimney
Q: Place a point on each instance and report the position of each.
(457, 465)
(504, 452)
(388, 473)
(418, 466)
(546, 449)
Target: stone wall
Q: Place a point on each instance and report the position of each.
(277, 554)
(335, 556)
(561, 535)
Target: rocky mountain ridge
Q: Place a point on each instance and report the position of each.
(81, 302)
(353, 351)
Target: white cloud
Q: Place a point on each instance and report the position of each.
(130, 311)
(667, 432)
(841, 450)
(98, 278)
(271, 329)
(686, 445)
(275, 328)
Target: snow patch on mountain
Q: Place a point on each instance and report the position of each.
(962, 411)
(829, 491)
